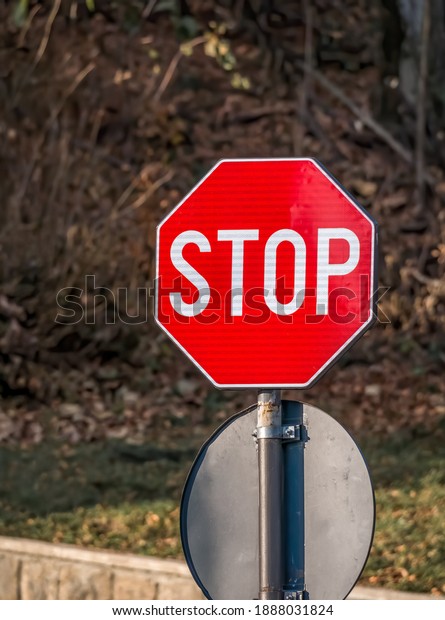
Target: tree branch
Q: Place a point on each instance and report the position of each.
(366, 119)
(421, 107)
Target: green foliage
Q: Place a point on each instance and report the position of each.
(186, 26)
(218, 47)
(168, 6)
(240, 81)
(54, 477)
(20, 12)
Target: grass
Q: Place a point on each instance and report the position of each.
(150, 528)
(409, 544)
(109, 495)
(116, 496)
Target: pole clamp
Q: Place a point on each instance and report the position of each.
(287, 432)
(296, 595)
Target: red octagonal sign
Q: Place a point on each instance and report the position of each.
(265, 273)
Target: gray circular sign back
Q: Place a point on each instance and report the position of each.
(219, 511)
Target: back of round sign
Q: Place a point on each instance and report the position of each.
(219, 511)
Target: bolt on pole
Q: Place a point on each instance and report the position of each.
(270, 466)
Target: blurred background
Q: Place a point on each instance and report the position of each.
(110, 112)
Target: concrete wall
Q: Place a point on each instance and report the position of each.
(32, 569)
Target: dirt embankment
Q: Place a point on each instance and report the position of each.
(106, 121)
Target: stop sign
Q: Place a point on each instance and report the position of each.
(265, 273)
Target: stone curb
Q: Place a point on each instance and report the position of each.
(362, 593)
(31, 570)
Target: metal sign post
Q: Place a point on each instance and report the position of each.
(281, 440)
(270, 469)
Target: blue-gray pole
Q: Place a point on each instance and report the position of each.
(293, 456)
